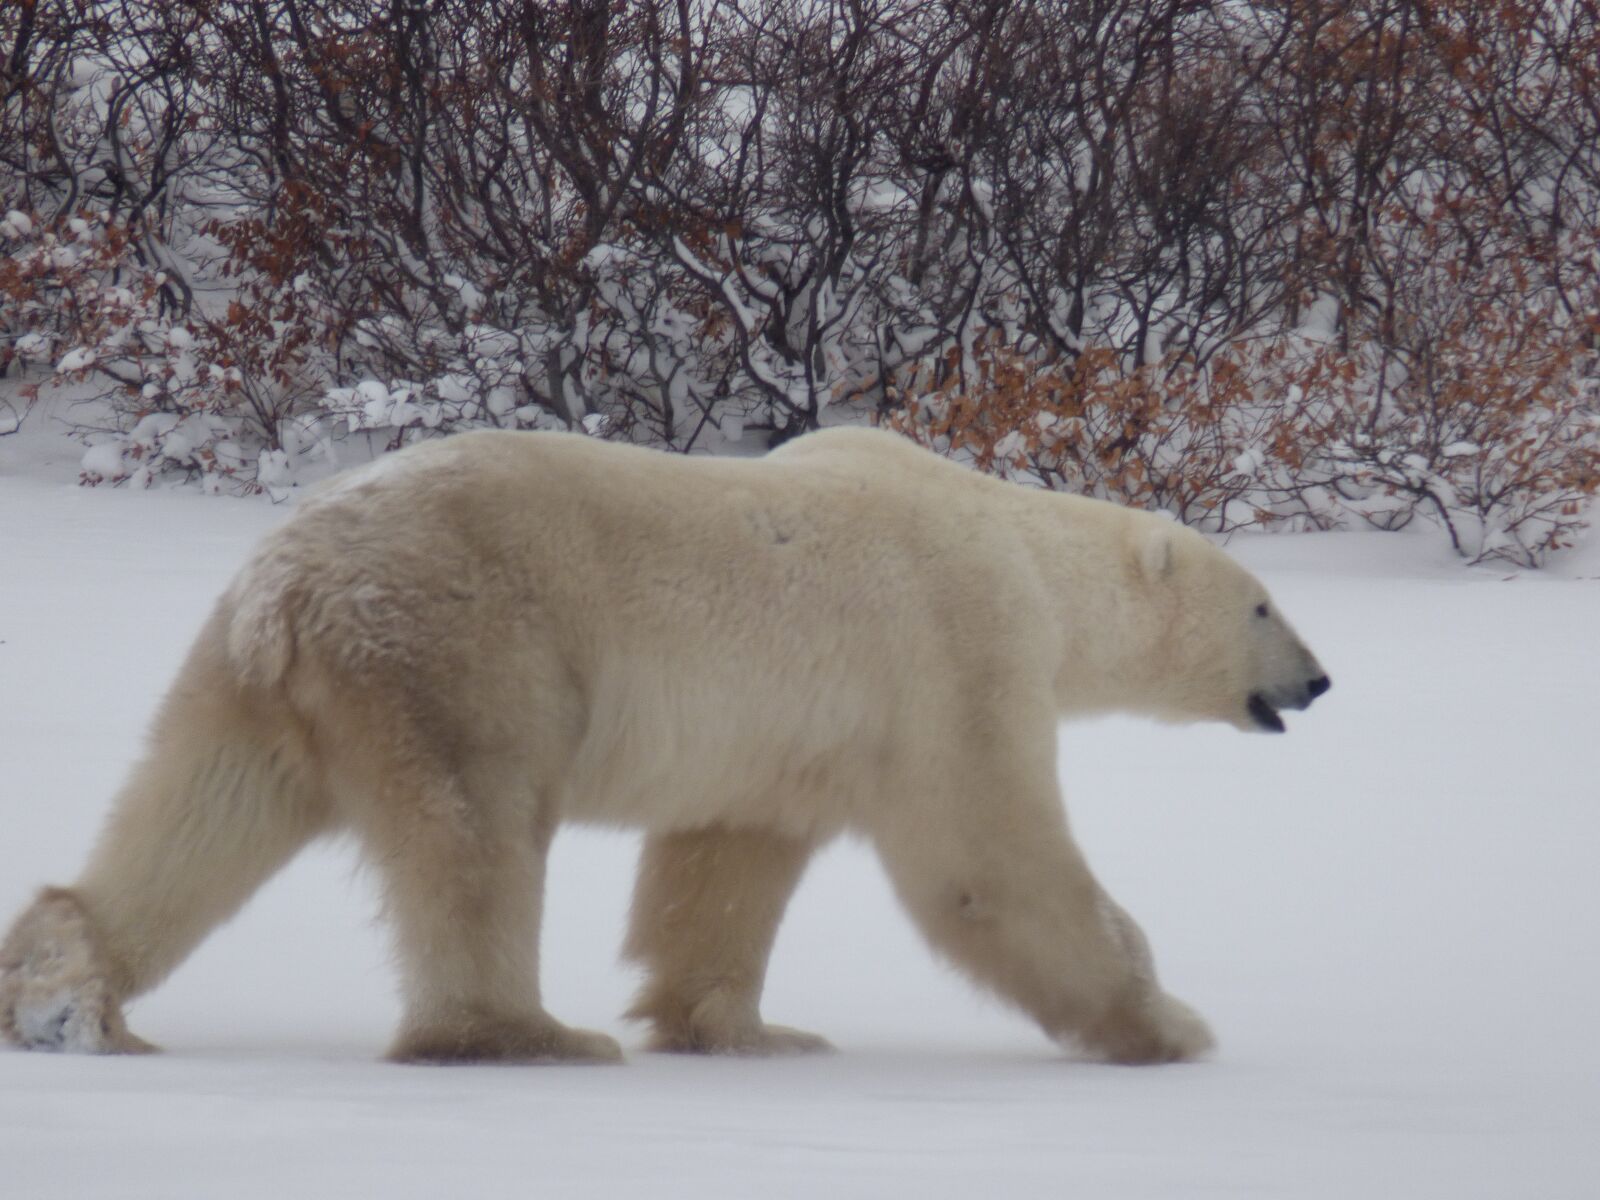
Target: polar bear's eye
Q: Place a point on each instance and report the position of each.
(1261, 610)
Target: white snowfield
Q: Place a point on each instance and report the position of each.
(1389, 916)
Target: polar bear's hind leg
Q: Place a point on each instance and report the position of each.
(220, 802)
(56, 990)
(461, 858)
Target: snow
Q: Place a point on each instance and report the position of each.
(32, 346)
(1387, 915)
(104, 461)
(1010, 446)
(75, 360)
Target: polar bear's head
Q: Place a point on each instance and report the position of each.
(1225, 650)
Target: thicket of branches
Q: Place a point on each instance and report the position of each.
(1308, 261)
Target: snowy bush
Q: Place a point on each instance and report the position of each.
(1165, 435)
(1317, 264)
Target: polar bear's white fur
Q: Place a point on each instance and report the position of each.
(451, 652)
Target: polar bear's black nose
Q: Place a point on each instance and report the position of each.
(1318, 685)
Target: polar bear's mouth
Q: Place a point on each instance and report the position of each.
(1263, 714)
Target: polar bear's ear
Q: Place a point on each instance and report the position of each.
(1155, 555)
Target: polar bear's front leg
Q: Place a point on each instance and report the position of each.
(705, 912)
(996, 883)
(1156, 1027)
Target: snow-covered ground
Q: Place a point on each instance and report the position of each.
(1389, 916)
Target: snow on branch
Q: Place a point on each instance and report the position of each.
(1311, 265)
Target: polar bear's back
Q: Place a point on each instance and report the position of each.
(683, 634)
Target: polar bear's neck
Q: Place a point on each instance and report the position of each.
(1112, 630)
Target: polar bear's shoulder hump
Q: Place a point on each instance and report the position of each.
(877, 452)
(854, 440)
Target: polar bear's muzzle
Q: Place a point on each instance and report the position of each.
(1264, 707)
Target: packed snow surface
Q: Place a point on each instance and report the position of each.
(1388, 915)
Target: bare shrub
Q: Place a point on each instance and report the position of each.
(1314, 263)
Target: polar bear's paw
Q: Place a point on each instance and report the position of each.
(55, 989)
(719, 1024)
(1161, 1029)
(756, 1041)
(69, 1022)
(479, 1038)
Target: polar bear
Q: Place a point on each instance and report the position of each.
(452, 650)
